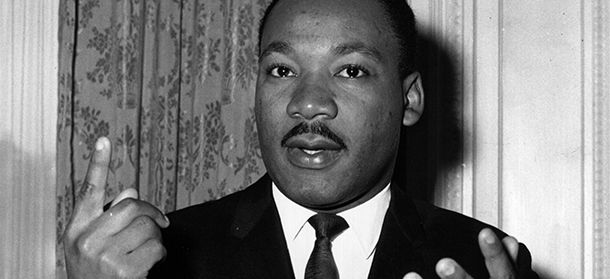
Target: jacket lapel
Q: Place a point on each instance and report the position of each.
(402, 233)
(260, 249)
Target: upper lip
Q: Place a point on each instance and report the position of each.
(312, 142)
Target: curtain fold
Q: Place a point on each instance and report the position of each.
(171, 83)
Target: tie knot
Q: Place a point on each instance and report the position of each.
(327, 225)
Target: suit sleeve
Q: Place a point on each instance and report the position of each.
(524, 264)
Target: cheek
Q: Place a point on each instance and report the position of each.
(373, 120)
(263, 125)
(382, 129)
(268, 114)
(266, 132)
(271, 128)
(386, 115)
(271, 103)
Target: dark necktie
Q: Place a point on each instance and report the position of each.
(321, 264)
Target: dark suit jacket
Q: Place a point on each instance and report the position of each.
(240, 236)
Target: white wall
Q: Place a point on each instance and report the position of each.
(28, 109)
(533, 79)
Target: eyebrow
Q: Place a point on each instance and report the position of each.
(358, 47)
(276, 46)
(343, 49)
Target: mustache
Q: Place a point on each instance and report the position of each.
(314, 128)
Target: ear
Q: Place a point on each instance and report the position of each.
(413, 99)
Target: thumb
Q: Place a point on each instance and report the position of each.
(127, 193)
(90, 200)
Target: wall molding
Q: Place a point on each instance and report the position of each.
(601, 138)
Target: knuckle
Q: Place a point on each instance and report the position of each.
(124, 273)
(86, 189)
(108, 260)
(158, 250)
(114, 266)
(145, 223)
(131, 270)
(85, 246)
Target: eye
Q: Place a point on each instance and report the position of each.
(353, 71)
(280, 71)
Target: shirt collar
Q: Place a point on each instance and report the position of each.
(365, 220)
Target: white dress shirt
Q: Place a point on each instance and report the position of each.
(353, 249)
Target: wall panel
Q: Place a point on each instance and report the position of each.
(28, 74)
(542, 109)
(535, 114)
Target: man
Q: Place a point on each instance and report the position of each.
(335, 84)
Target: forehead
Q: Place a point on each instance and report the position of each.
(362, 21)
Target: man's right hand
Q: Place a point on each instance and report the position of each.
(122, 242)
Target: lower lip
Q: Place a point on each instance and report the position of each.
(316, 161)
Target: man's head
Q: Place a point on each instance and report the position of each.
(402, 21)
(332, 93)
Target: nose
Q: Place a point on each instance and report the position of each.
(312, 100)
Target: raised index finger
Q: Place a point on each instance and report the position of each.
(90, 200)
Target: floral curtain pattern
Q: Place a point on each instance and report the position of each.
(171, 83)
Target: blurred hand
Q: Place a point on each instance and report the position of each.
(122, 242)
(500, 257)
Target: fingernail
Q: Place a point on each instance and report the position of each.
(166, 219)
(489, 239)
(99, 145)
(448, 269)
(412, 275)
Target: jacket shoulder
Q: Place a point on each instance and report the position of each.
(203, 234)
(455, 235)
(440, 222)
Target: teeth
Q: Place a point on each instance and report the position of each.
(311, 152)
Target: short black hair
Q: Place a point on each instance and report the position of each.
(402, 21)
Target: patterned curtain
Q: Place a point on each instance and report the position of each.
(171, 83)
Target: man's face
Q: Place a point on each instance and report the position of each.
(329, 101)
